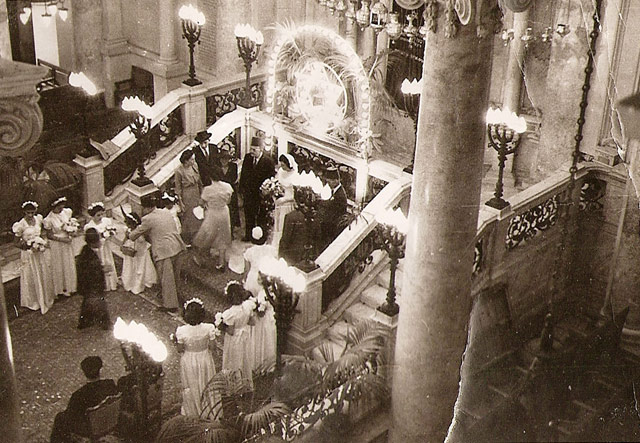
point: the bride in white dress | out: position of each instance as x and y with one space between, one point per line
286 175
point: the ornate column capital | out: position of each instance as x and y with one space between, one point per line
20 116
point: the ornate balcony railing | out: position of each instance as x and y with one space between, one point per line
223 102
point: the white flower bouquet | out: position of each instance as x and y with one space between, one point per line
71 227
271 188
257 305
37 244
109 231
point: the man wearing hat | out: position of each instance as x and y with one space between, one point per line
74 418
204 157
159 227
333 210
256 168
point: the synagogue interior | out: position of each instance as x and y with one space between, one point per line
319 220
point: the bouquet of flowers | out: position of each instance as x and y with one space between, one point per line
219 323
37 244
257 304
271 189
71 227
109 231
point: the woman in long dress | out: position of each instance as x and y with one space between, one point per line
195 339
60 227
106 229
36 286
286 175
237 353
229 171
263 333
215 231
138 271
188 189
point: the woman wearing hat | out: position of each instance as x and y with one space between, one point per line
36 287
60 226
188 189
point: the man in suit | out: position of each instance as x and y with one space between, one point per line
204 157
91 283
159 228
294 238
333 210
74 418
256 168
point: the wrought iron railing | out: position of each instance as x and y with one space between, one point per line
222 103
122 168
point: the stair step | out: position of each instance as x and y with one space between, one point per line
374 296
336 347
338 330
358 312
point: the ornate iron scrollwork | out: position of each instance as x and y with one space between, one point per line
357 261
374 186
591 194
220 104
525 226
478 253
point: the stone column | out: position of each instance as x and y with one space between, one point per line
92 169
167 18
9 408
5 41
565 78
513 83
87 23
114 49
443 214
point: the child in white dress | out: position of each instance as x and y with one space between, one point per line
61 227
106 229
138 271
237 354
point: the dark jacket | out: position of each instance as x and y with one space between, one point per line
205 165
90 395
252 176
331 214
294 237
89 271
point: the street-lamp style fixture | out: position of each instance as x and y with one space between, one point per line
393 26
81 81
413 87
411 90
411 31
308 191
503 130
282 285
192 22
25 15
362 16
391 232
139 127
378 16
249 43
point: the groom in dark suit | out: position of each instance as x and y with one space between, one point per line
204 157
256 168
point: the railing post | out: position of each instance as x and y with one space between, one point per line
137 193
92 170
302 337
362 180
194 111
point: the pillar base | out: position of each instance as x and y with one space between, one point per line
192 82
497 203
137 193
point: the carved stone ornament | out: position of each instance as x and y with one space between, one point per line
410 4
20 124
464 10
516 5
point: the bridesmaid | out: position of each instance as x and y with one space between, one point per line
60 226
106 229
36 287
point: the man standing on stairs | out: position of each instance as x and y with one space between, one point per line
167 248
203 155
332 211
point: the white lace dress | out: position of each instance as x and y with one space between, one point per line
196 367
283 205
138 272
237 353
105 252
63 265
36 285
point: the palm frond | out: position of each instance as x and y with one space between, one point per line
270 412
185 429
302 363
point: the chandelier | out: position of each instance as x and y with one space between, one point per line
50 10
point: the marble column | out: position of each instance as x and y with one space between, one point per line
167 25
9 407
513 84
565 78
443 214
5 41
87 23
92 171
115 51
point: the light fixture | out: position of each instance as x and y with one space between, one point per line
547 35
562 29
331 6
192 22
362 16
507 35
249 42
411 30
25 15
139 127
391 232
341 7
527 37
393 26
63 11
378 16
413 87
80 80
350 13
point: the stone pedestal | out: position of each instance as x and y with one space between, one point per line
92 169
194 111
305 332
137 193
443 214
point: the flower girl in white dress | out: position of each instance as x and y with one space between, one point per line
106 229
138 271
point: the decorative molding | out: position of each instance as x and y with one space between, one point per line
20 124
451 20
525 226
410 4
592 192
464 9
516 5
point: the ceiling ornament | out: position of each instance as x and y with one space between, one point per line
516 5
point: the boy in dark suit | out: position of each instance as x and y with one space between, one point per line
333 210
204 157
91 283
256 168
74 418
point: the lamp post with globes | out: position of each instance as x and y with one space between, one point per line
503 130
192 22
249 43
308 191
82 82
391 232
282 285
139 127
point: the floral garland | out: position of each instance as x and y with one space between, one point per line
193 300
37 244
229 284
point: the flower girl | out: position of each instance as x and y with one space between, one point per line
138 271
61 227
106 229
